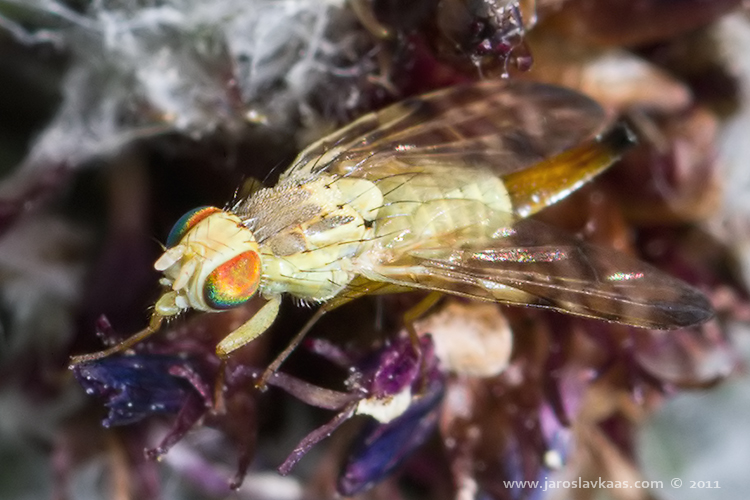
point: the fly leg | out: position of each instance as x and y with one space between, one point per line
412 315
261 383
417 311
153 327
249 331
354 291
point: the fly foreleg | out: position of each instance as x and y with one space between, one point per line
249 331
259 323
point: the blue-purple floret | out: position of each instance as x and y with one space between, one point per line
380 447
136 386
398 366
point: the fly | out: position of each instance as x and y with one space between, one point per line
432 193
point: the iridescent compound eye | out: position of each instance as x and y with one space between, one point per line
233 282
187 222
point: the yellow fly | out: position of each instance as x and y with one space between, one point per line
431 193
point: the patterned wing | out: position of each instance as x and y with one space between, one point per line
501 125
530 263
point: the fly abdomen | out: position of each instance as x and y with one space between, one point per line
446 204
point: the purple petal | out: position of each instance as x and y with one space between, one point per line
311 394
314 438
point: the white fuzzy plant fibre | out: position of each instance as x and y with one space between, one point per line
733 223
141 67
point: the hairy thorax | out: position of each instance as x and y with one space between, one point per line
316 235
309 232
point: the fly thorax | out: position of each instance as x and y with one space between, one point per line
312 259
212 263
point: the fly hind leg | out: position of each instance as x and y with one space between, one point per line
410 317
417 311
